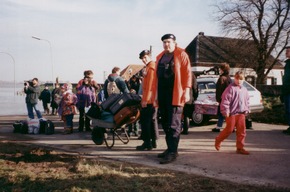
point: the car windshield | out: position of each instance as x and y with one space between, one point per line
206 87
248 86
210 87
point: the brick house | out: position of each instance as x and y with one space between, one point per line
206 52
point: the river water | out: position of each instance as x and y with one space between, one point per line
13 104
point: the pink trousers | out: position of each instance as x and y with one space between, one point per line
238 122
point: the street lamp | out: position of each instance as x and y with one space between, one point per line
37 38
13 65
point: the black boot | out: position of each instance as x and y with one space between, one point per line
163 154
144 147
170 157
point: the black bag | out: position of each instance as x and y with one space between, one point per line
46 127
110 101
20 127
126 99
17 127
94 111
50 128
42 126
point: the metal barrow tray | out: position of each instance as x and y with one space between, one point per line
105 132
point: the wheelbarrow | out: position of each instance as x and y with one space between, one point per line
108 132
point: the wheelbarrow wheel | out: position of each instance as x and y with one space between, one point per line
98 135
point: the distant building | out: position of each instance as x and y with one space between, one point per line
130 70
206 52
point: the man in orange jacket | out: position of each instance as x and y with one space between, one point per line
149 133
172 90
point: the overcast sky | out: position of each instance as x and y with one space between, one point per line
92 34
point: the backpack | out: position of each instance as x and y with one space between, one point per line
46 127
112 88
20 127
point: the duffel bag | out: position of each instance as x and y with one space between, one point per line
126 99
105 105
127 115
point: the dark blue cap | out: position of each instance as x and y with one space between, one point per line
143 53
168 36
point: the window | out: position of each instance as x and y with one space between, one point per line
248 86
206 87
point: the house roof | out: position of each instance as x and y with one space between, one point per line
130 70
209 51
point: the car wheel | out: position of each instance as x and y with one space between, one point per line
199 119
186 122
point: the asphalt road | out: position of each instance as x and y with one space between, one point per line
268 163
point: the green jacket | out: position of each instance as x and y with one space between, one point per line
32 94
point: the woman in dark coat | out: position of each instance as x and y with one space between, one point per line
45 97
222 83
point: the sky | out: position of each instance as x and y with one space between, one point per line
92 34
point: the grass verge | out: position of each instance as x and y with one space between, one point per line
32 168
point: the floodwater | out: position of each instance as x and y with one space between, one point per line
13 104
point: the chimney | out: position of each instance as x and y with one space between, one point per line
201 33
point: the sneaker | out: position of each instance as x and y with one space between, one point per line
215 130
217 145
170 157
242 151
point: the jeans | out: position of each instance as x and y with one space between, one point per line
69 121
220 119
30 108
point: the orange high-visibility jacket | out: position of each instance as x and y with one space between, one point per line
182 78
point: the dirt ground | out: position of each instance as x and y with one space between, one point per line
267 145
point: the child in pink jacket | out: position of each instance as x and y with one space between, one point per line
234 107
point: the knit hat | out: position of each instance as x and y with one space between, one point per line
67 86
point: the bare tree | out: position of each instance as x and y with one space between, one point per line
266 22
